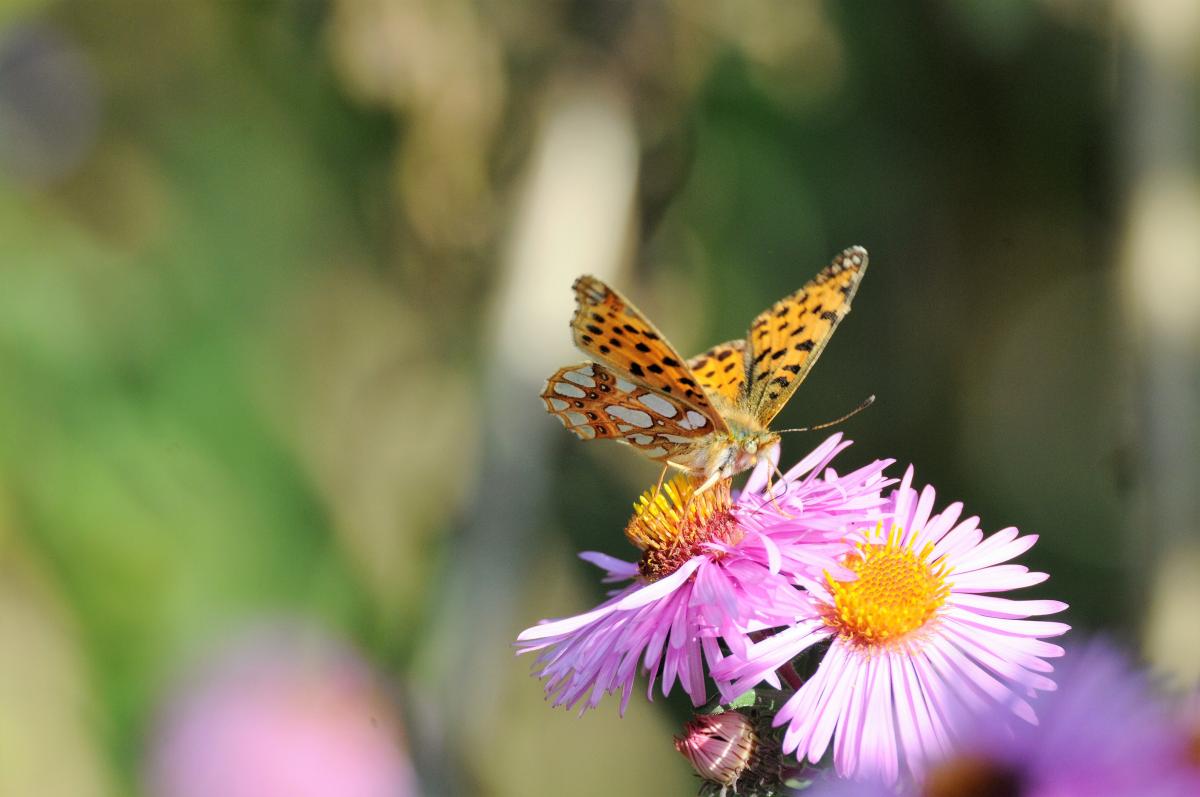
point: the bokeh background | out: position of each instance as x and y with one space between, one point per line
279 282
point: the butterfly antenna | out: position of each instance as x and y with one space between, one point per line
866 403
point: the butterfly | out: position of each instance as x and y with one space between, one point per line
710 415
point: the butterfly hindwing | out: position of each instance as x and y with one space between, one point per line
596 403
610 329
786 339
721 371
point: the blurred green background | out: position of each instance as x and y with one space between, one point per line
279 282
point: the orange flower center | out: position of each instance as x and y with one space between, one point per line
672 524
971 777
1192 750
897 592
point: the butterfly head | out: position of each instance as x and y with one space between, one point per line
740 451
753 447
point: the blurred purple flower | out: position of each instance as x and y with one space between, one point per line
1103 733
282 716
714 567
913 639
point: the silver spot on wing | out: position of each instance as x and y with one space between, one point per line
658 404
580 378
637 418
564 389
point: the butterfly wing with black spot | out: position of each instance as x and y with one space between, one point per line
610 329
596 403
786 339
721 371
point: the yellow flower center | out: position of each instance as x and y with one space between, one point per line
672 524
897 592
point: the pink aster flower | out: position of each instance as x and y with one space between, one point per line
914 637
713 568
1104 733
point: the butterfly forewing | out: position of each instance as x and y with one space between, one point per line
613 331
721 371
786 339
595 402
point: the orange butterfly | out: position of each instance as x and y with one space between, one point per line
710 415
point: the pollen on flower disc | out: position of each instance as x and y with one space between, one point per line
898 591
968 776
673 523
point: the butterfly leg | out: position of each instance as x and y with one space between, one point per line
771 490
712 479
658 487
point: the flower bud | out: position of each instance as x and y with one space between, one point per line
720 747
